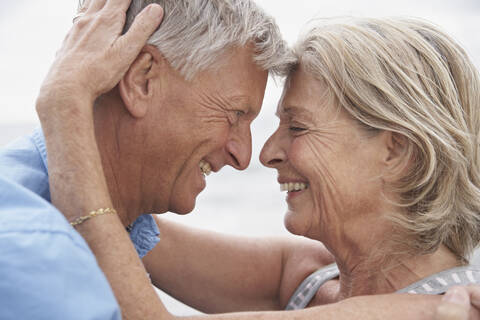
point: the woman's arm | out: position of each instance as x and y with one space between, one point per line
92 60
398 307
217 273
89 64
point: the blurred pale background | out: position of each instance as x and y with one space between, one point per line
247 203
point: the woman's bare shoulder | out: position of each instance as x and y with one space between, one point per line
302 258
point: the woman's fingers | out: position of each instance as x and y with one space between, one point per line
94 55
474 291
131 43
118 5
94 6
455 305
83 5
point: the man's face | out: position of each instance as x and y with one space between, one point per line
199 126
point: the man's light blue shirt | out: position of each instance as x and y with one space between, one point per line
47 270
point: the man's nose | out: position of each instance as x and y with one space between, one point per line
239 150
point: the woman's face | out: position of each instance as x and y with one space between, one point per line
331 167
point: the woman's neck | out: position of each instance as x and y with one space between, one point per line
370 261
390 274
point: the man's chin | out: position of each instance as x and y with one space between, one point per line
184 208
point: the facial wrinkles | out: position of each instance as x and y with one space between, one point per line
328 144
211 110
220 107
320 118
327 204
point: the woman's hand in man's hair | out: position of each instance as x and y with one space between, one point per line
95 55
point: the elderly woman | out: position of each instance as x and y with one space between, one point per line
377 147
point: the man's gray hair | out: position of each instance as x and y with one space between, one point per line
195 33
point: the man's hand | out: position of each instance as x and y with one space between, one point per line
94 55
460 303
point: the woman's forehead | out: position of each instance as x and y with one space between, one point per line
304 95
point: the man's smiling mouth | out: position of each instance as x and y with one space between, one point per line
205 167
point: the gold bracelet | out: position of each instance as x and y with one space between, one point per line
92 214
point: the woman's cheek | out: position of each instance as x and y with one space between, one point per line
322 176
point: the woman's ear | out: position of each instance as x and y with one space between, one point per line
396 157
136 87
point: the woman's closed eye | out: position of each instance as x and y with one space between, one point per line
295 129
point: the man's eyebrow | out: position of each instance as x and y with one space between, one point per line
235 100
229 101
237 97
243 102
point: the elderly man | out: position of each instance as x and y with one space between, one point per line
165 114
182 110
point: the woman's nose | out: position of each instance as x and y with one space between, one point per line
272 152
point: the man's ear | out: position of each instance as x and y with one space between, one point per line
396 157
136 86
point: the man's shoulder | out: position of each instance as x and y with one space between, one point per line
46 266
23 213
27 148
25 208
24 161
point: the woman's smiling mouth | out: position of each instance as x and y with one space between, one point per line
293 186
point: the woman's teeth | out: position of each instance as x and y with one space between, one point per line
205 167
293 186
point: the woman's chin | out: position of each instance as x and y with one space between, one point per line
295 224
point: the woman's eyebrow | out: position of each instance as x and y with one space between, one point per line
297 111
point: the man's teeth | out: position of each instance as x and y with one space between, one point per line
293 186
205 167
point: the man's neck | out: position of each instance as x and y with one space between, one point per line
119 166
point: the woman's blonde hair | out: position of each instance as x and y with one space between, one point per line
407 76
